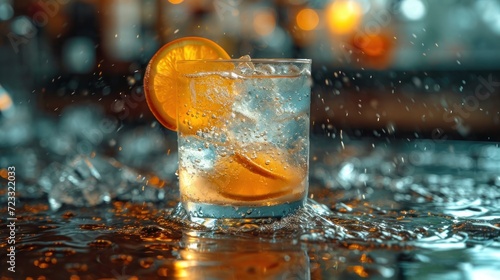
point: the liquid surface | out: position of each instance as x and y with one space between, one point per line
410 210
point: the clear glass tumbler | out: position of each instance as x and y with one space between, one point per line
243 135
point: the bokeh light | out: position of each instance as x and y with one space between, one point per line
175 1
413 9
343 16
6 11
5 100
373 50
22 26
370 44
489 11
264 22
277 44
307 19
79 55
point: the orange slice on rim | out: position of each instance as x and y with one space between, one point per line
163 83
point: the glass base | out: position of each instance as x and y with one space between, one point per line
204 210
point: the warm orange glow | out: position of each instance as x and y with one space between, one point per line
175 1
359 270
307 19
5 102
3 173
156 181
343 16
365 259
372 45
373 50
264 23
181 270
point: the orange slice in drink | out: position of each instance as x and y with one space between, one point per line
256 175
263 164
163 83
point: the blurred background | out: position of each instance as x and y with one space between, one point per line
393 81
381 68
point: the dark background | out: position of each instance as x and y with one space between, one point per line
382 68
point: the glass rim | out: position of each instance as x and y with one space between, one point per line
254 60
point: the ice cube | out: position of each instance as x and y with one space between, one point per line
244 128
288 70
51 176
245 67
270 108
264 69
76 185
259 99
245 58
250 121
86 181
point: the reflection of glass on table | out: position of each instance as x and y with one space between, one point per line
243 133
233 258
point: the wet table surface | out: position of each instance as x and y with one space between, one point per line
391 209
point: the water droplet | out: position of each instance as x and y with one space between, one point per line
146 262
391 128
68 215
131 80
100 244
121 259
151 232
76 267
92 226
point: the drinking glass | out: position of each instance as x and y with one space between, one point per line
243 137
